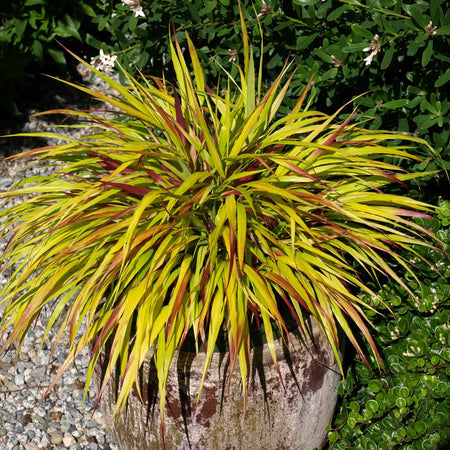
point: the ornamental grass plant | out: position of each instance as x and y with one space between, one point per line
196 211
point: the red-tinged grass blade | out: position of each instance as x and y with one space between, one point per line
241 235
129 110
302 97
128 189
109 81
179 294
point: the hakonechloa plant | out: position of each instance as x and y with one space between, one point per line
200 211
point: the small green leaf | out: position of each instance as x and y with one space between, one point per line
35 2
444 78
354 406
274 61
412 48
352 422
143 59
372 406
427 124
322 54
446 354
443 30
132 24
355 47
375 385
58 56
87 9
418 15
387 58
434 360
334 436
329 74
390 423
361 31
91 40
440 418
437 15
304 41
20 25
103 22
420 426
208 8
67 31
336 13
38 50
393 104
403 391
426 55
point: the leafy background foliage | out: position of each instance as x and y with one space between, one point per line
28 29
406 80
408 406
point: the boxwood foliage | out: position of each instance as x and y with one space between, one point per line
407 407
406 79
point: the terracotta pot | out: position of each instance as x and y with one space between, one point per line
276 418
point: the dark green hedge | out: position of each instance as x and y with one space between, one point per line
407 80
28 33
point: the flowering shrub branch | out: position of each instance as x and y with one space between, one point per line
135 7
374 48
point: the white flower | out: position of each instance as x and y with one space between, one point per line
137 11
375 45
368 59
336 62
233 55
135 7
374 48
107 59
104 62
431 31
266 9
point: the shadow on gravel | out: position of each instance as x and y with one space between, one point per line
43 94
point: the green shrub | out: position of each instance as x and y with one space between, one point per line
28 29
406 79
407 407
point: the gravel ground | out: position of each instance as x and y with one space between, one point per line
60 420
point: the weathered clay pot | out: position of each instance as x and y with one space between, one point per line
276 418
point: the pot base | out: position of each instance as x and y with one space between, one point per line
293 417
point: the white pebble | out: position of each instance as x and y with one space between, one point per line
56 438
69 440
